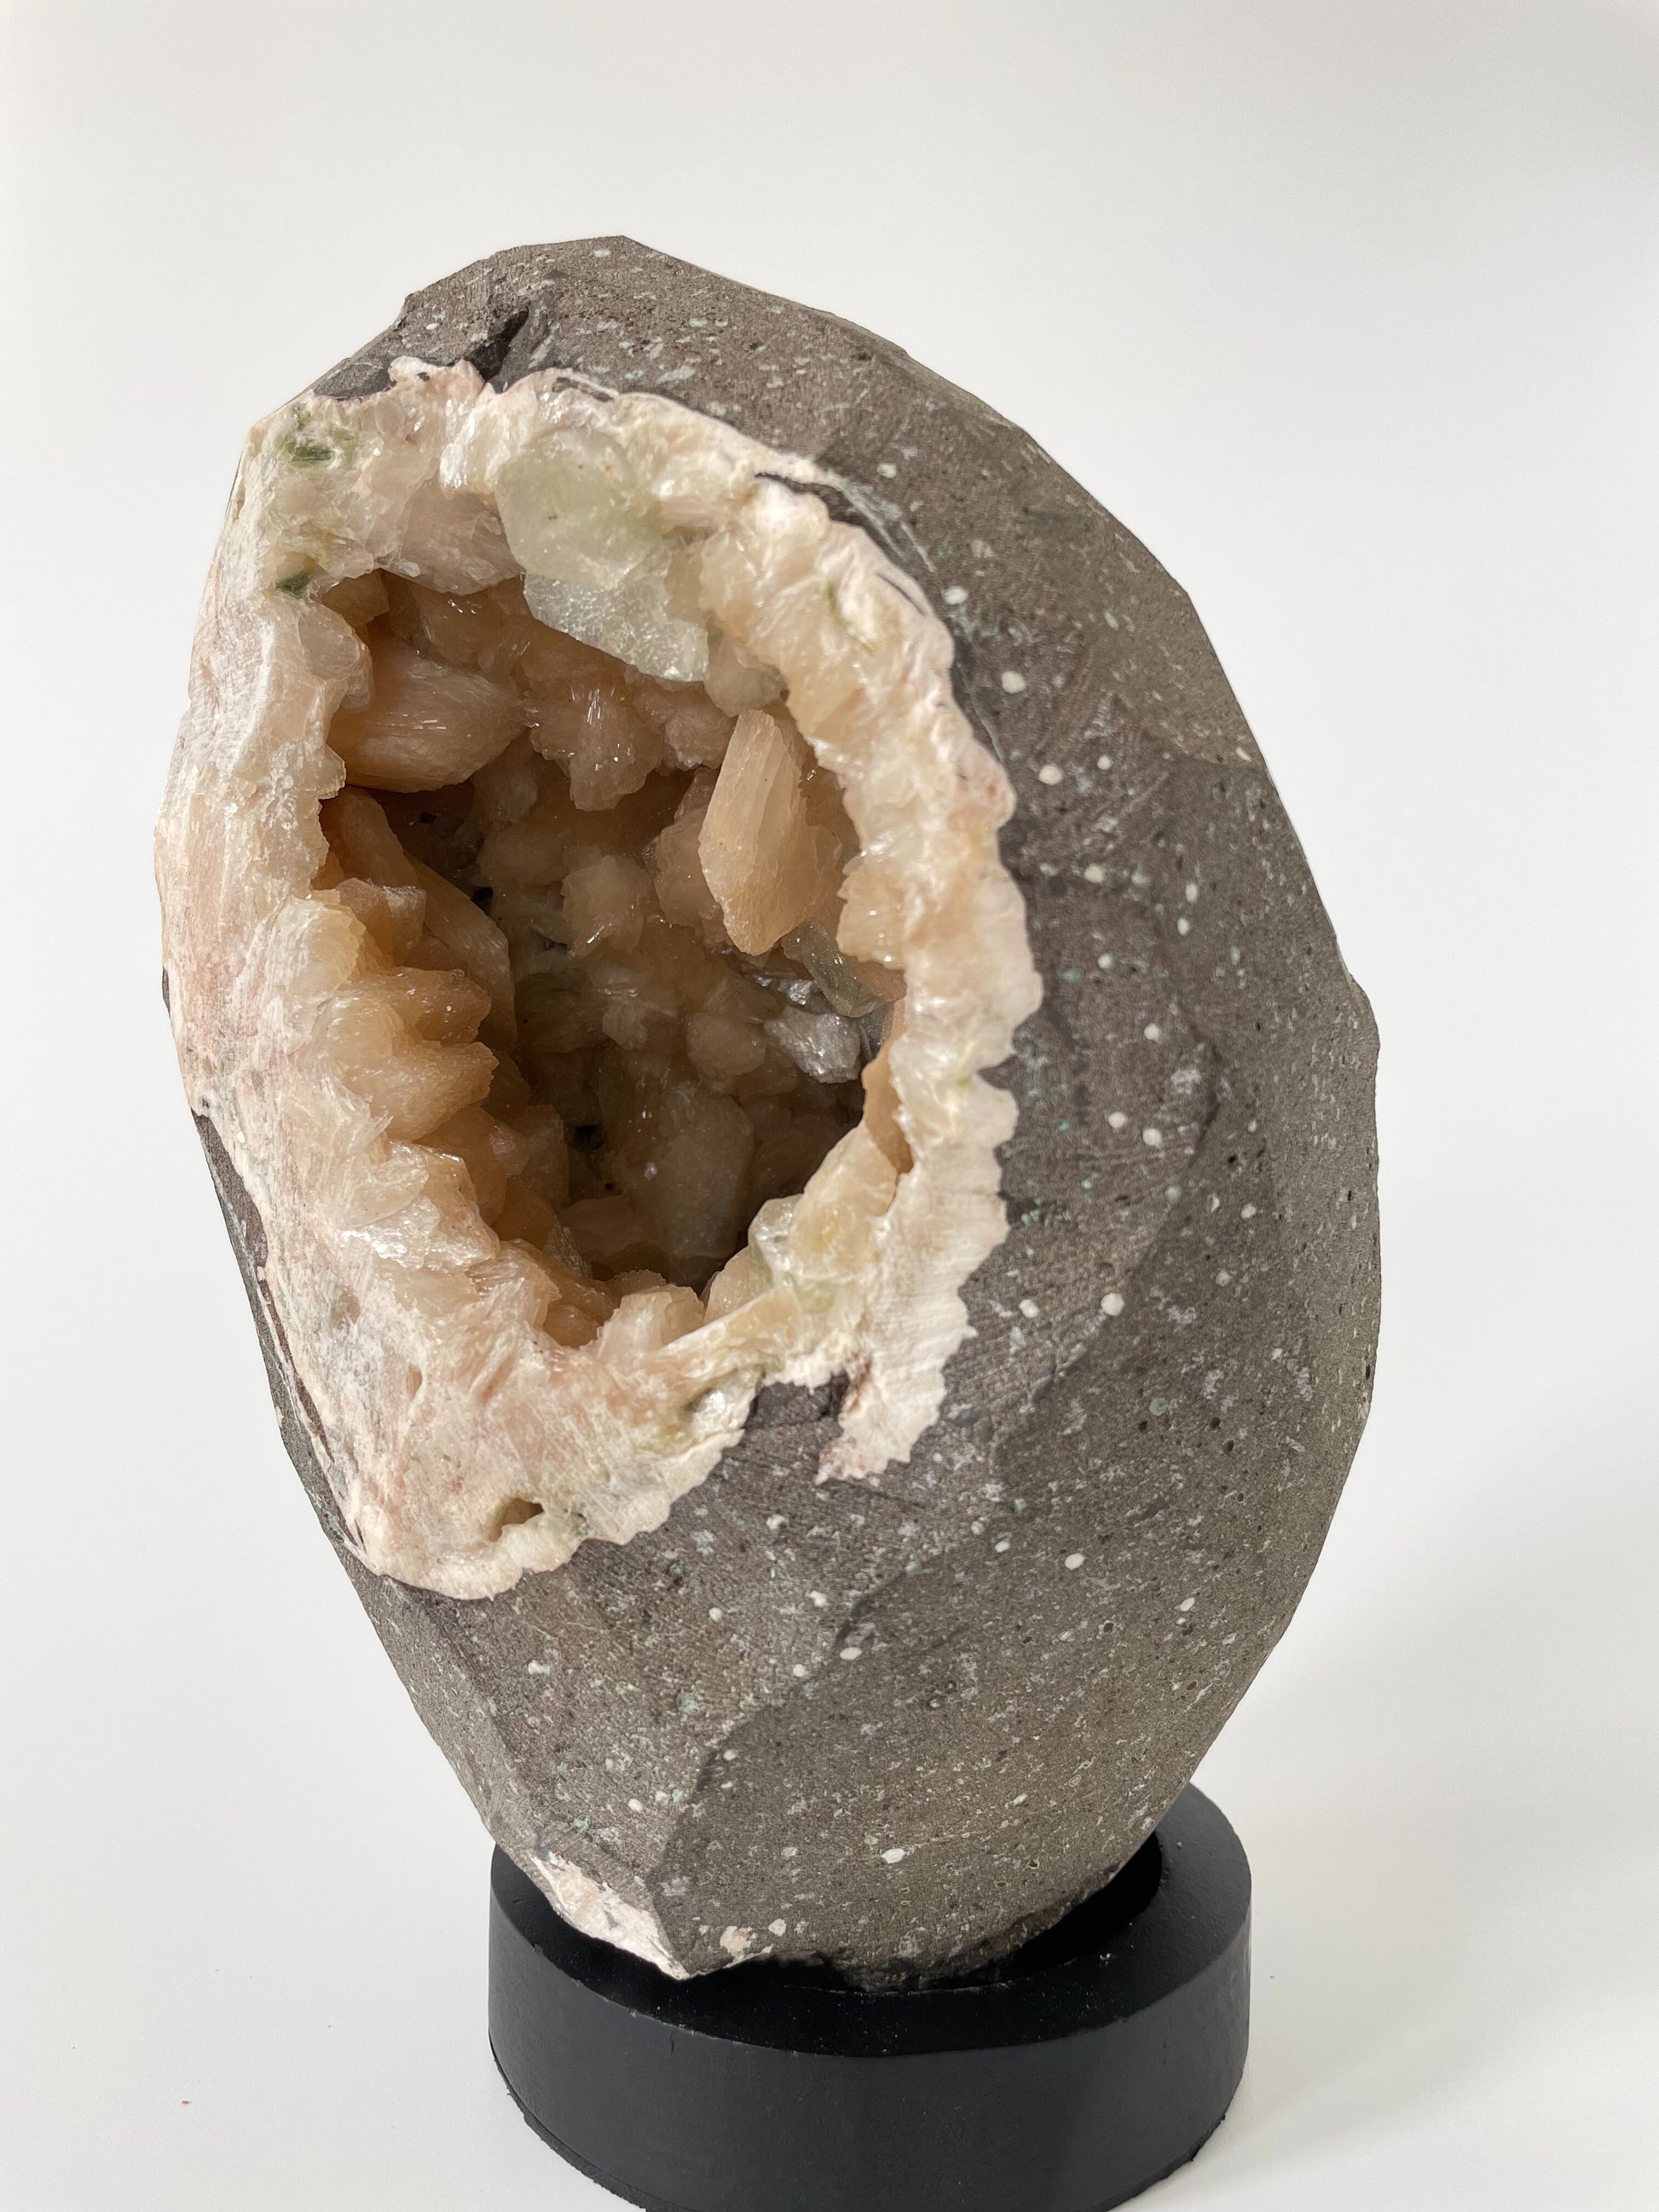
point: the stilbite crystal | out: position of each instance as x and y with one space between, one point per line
423 724
769 866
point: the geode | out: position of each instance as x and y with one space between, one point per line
798 1138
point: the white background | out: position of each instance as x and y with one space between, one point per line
1348 307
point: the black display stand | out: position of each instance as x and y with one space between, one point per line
1067 2079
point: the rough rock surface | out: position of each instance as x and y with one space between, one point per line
900 1727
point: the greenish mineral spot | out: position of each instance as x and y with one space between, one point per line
301 451
295 586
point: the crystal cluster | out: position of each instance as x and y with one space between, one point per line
586 934
643 880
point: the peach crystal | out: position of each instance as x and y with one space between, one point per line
585 932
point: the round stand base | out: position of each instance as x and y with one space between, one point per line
1067 2078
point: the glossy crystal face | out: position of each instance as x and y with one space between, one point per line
608 906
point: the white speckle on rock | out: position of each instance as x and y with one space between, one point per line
777 1928
1002 1543
1013 680
774 1521
1048 773
1103 762
538 1666
1223 1277
1247 1213
892 1857
851 1652
1030 1308
1182 927
1104 960
728 1755
1094 873
1152 1137
1187 1605
799 1673
1112 1304
714 1613
1152 1033
1118 1122
817 1597
956 595
885 469
1192 894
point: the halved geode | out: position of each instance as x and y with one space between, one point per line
652 749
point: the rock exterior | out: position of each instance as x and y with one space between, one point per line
898 1727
